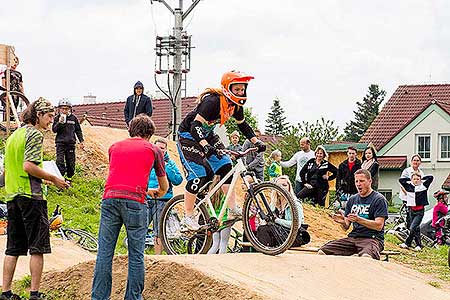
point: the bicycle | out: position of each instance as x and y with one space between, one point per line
20 103
83 238
339 202
257 199
401 231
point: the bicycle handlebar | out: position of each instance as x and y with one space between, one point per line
238 154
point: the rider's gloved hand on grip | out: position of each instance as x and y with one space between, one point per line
260 145
210 150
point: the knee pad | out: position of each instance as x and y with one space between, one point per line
223 170
195 184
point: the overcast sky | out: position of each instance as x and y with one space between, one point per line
317 57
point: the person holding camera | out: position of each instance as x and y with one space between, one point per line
68 130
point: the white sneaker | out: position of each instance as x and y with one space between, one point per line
189 223
418 248
235 213
403 246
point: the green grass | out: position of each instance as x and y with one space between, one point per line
80 204
431 261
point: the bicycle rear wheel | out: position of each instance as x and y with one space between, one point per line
260 214
20 101
174 241
83 238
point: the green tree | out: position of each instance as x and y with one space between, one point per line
319 132
249 118
366 112
276 121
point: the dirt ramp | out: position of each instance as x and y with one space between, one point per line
163 280
64 254
315 277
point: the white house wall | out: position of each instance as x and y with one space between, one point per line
433 124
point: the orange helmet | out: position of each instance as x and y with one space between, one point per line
234 77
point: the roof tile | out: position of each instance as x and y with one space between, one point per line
407 102
110 114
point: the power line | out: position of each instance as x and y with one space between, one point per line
173 58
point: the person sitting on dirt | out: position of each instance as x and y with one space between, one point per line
274 169
315 177
28 225
284 218
155 206
366 211
124 203
439 210
138 103
200 147
67 129
345 179
417 198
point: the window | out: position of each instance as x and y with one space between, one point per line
423 146
444 150
387 194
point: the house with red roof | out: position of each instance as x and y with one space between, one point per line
416 119
110 114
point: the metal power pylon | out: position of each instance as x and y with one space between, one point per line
173 54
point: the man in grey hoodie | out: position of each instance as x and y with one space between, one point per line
137 103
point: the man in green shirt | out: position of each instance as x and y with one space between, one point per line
28 226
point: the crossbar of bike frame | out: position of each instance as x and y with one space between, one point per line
235 171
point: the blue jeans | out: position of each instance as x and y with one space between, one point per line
298 187
155 208
416 217
133 215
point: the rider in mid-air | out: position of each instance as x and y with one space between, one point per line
198 144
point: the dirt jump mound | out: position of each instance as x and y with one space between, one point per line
163 280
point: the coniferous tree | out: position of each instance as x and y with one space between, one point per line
276 121
366 112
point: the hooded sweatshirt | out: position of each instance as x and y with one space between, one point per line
136 105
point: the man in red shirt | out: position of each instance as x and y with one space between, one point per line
345 180
130 163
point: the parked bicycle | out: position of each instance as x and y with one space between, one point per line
400 229
258 199
81 237
340 201
20 102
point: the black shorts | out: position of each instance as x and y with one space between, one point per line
28 227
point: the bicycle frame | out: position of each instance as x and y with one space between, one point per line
236 172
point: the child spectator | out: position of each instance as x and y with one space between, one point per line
220 237
67 129
275 167
439 210
416 195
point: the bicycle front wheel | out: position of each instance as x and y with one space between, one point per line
174 241
270 218
83 238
